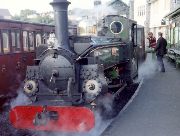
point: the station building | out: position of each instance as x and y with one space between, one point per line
150 14
173 37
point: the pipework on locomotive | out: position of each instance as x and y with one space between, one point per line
69 79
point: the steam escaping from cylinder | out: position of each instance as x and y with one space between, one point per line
149 67
100 126
21 99
61 22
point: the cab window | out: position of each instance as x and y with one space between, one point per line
106 56
139 36
5 41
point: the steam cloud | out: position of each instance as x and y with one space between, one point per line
100 126
103 10
21 99
91 16
149 67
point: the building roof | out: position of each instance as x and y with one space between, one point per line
175 13
120 1
4 12
151 1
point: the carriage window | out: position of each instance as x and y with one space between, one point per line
25 41
5 41
31 41
18 46
38 39
107 55
15 41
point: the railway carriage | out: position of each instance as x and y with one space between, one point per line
18 42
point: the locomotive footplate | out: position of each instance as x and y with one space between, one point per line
52 118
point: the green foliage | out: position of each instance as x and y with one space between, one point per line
16 17
27 12
33 16
45 19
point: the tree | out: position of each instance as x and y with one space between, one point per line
33 16
24 15
16 17
27 12
45 19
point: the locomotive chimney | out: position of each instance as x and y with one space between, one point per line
61 22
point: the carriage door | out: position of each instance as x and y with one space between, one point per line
5 62
134 53
19 67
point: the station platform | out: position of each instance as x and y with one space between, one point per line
155 111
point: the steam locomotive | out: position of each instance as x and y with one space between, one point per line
74 75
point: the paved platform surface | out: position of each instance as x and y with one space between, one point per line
155 111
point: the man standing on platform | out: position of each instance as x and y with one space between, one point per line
161 50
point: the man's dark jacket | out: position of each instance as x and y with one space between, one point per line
161 46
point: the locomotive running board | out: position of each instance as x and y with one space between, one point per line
52 118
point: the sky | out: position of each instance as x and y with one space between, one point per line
15 6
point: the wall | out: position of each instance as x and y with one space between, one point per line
158 10
155 10
140 11
120 7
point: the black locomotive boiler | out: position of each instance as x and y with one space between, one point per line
73 76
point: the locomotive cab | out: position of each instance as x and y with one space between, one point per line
112 55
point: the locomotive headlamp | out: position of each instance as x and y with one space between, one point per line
30 87
91 89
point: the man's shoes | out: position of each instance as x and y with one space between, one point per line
163 71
